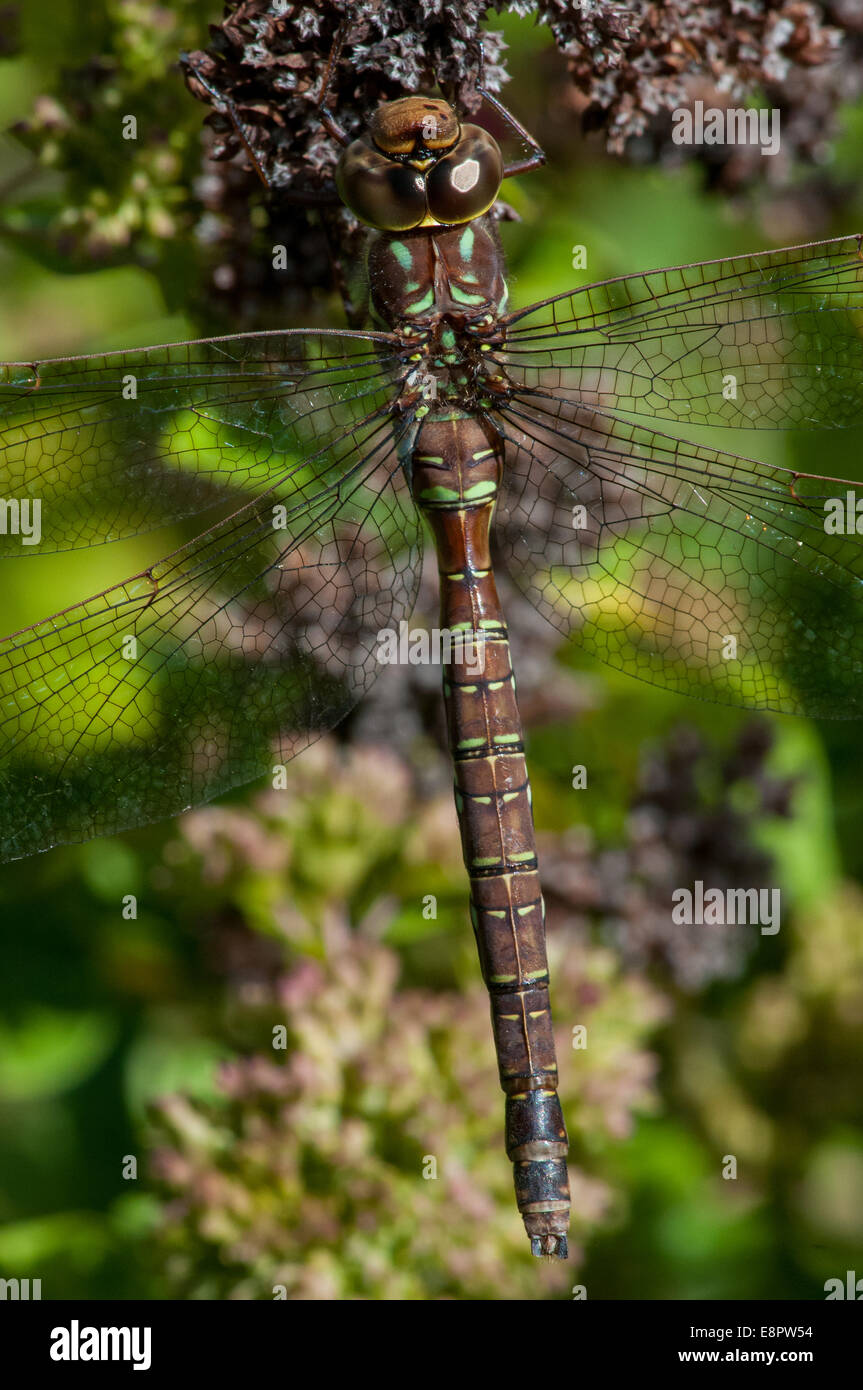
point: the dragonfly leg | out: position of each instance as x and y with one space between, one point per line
230 110
326 197
537 156
327 119
355 312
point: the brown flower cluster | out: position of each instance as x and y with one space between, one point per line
630 65
633 63
686 823
360 1156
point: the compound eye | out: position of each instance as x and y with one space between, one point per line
378 190
464 184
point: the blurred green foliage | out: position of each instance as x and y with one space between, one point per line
149 1037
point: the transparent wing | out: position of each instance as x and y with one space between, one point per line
121 443
705 573
770 340
219 662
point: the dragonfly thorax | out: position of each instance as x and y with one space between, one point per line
445 284
417 166
446 372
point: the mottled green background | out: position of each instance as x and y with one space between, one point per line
150 1037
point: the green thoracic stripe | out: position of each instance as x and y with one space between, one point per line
402 254
464 296
421 304
465 246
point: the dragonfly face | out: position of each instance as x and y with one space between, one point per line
418 167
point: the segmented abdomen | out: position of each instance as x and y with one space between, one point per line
455 471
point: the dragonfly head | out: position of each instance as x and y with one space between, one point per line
417 166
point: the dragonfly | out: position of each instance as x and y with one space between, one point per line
308 464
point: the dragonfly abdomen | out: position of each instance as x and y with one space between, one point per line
455 471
